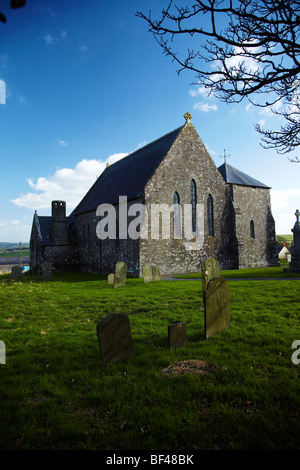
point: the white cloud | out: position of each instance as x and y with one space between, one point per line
205 107
83 48
50 40
47 10
267 111
63 143
284 205
14 230
68 184
200 91
4 59
242 57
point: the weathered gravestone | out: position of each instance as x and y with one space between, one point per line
216 306
120 274
209 269
16 272
156 273
147 273
46 271
110 278
177 335
114 337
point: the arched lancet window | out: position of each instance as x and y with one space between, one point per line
252 232
193 194
176 216
210 216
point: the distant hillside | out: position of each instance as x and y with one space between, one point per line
286 239
9 246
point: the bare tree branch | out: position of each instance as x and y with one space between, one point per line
13 4
245 49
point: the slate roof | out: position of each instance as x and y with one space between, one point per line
234 176
128 176
44 222
45 227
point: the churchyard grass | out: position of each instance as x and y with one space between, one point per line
56 394
269 272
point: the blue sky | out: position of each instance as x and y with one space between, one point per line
85 83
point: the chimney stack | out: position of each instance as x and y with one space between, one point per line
59 234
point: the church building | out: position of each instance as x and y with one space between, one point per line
230 215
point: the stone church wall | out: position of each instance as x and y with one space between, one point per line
36 249
101 256
252 204
88 243
63 258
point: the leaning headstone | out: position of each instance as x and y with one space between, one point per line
120 274
46 271
16 272
110 278
114 337
156 273
177 335
147 273
216 306
209 269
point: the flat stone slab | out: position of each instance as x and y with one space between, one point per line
177 335
114 337
216 307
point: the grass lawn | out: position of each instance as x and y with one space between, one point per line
263 273
56 394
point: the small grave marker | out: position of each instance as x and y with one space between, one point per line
46 271
110 278
114 337
120 274
216 306
16 272
147 273
156 273
177 335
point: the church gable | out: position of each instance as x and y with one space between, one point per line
187 175
186 159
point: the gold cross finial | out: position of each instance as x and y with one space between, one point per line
187 117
